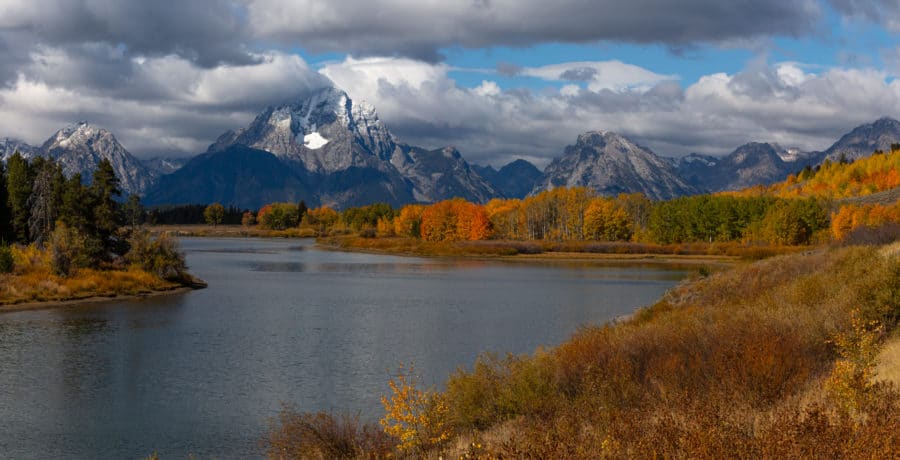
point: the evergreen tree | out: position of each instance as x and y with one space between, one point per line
44 201
77 205
104 189
301 210
6 231
18 186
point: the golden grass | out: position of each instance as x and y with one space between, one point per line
888 369
232 231
487 248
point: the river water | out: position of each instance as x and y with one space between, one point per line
281 323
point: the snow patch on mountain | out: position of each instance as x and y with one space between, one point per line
314 141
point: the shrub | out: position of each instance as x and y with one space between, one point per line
160 256
417 417
71 249
323 435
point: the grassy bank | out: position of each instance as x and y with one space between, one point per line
486 248
34 279
230 231
773 359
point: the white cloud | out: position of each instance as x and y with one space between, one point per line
779 102
154 105
488 88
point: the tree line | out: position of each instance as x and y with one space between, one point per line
571 214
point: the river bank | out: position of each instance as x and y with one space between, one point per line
76 302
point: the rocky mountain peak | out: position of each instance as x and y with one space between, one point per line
865 139
611 164
79 147
9 146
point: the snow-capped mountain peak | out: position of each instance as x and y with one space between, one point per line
79 147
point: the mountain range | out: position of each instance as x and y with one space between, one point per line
327 149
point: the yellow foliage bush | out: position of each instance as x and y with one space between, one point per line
418 418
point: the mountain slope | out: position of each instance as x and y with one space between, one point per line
80 147
441 174
865 139
612 164
513 180
9 146
237 176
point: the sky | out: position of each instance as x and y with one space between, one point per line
498 79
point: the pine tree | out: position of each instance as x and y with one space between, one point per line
18 186
77 205
6 230
104 189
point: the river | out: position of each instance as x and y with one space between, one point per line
282 322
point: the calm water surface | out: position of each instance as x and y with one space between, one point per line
281 322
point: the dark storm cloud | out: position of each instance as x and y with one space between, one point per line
885 12
419 29
206 32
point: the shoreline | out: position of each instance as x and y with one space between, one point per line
70 303
555 256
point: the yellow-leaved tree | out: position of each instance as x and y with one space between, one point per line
418 418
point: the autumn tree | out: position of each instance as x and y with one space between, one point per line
214 213
507 219
605 219
408 222
278 216
417 417
454 220
248 219
323 219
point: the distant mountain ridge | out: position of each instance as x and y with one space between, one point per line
327 149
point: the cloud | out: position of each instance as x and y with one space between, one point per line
781 102
156 106
884 12
421 29
614 75
205 32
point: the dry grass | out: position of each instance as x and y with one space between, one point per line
888 369
415 246
232 231
732 365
